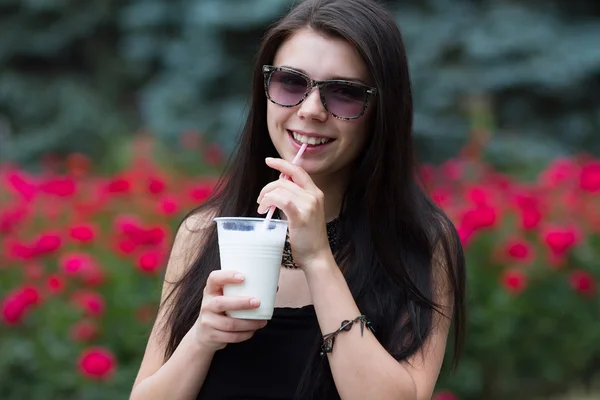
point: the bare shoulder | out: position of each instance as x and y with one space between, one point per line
190 237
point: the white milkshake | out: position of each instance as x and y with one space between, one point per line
247 247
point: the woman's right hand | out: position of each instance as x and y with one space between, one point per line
214 329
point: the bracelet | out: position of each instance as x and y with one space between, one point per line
329 339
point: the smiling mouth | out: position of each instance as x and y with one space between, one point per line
310 140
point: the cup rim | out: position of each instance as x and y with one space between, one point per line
250 219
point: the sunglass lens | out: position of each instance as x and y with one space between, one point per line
287 88
344 100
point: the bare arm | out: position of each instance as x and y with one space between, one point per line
183 375
361 367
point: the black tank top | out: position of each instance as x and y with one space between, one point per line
269 365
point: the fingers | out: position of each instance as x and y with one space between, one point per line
282 199
297 174
220 304
218 278
288 185
229 337
227 324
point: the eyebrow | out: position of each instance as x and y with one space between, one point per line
337 77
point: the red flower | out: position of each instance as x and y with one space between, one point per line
83 331
168 206
74 263
62 187
583 283
16 304
90 302
150 262
518 249
21 184
19 250
47 243
119 185
83 233
452 169
589 178
97 363
14 309
128 225
29 294
560 170
529 209
560 240
11 218
201 192
156 186
480 196
441 197
55 284
480 217
427 173
514 281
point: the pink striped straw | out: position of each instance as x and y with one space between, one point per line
283 176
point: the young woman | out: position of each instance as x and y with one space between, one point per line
367 248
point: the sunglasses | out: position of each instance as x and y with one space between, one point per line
344 100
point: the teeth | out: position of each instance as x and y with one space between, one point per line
309 139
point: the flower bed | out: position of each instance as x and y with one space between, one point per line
82 254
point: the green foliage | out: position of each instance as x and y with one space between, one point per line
75 75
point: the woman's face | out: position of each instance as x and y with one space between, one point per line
320 58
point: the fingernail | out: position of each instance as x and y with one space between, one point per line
238 277
254 302
269 159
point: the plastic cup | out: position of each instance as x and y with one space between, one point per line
248 247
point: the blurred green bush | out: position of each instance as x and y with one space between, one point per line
78 75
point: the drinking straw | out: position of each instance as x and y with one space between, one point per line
283 176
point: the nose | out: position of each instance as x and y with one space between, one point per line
312 107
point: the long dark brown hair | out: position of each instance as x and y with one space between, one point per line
393 238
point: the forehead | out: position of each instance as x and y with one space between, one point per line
321 56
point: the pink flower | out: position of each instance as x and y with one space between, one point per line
589 178
61 186
55 284
13 309
514 281
150 262
83 233
90 302
582 282
560 240
119 185
168 206
97 363
518 249
47 243
156 186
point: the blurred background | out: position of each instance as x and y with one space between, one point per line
116 118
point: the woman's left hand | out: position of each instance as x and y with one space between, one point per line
303 204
